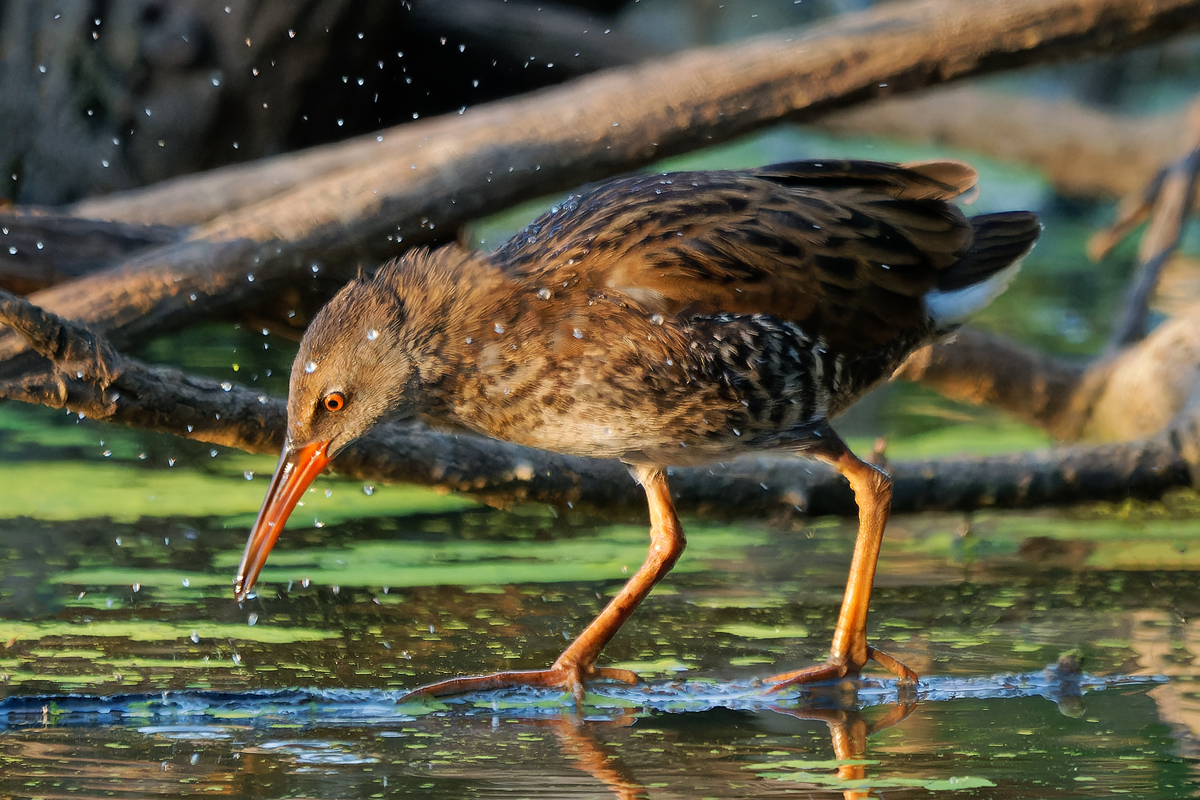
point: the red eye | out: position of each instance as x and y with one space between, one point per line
334 401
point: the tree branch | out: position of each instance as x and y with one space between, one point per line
985 369
1083 152
1168 202
46 248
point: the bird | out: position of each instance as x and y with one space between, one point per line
666 320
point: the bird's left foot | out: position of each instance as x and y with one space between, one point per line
841 667
566 677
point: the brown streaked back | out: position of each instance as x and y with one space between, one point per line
847 249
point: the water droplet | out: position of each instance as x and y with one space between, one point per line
250 277
543 294
498 328
212 453
368 490
578 334
248 474
304 582
252 619
227 386
137 587
40 246
468 340
12 251
657 319
372 335
106 453
118 541
310 367
195 636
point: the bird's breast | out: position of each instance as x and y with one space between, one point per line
619 383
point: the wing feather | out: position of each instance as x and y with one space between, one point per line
846 249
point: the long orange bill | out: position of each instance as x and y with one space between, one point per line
295 471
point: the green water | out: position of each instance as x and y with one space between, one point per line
127 670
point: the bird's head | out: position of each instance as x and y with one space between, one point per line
355 368
362 361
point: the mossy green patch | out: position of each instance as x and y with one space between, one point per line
147 631
750 631
656 667
607 555
123 492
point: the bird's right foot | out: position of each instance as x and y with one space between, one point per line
842 667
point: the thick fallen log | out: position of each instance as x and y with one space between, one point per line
81 371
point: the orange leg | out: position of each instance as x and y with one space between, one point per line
577 664
850 651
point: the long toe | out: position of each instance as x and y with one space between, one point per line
565 678
836 668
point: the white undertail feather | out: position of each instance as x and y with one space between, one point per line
948 310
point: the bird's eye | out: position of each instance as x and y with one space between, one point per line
334 401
